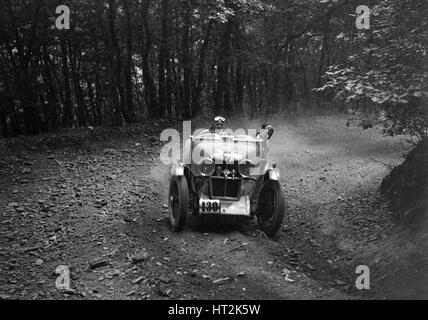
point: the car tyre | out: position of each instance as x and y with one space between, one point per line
271 208
178 201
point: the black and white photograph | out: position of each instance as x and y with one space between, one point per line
213 150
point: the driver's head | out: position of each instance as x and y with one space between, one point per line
267 130
218 122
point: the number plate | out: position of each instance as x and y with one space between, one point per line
209 206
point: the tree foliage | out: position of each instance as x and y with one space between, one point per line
124 61
387 68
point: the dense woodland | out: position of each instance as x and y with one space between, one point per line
124 61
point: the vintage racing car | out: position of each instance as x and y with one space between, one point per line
222 174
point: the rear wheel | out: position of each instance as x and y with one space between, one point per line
178 202
271 208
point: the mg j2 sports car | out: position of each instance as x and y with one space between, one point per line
227 175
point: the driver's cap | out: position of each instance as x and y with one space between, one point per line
219 119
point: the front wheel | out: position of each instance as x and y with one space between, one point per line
271 208
178 202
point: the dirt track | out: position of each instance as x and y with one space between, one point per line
105 203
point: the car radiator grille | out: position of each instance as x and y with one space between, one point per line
225 188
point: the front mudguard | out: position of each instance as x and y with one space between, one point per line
177 170
271 174
274 174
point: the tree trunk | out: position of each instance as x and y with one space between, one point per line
51 92
3 115
129 65
222 100
325 51
239 82
197 92
67 114
31 117
164 65
120 110
303 72
186 63
98 97
81 107
149 84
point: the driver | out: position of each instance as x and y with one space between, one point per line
217 125
266 132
